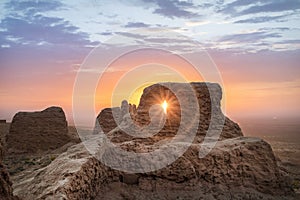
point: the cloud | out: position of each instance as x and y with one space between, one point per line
25 25
206 5
156 38
196 23
274 6
136 25
32 7
106 33
231 8
5 46
262 66
173 8
53 31
246 7
170 40
275 29
248 37
40 43
261 19
131 35
256 41
289 42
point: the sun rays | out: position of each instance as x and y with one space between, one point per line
164 105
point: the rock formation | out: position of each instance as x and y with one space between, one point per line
237 168
6 190
109 118
108 121
207 97
33 132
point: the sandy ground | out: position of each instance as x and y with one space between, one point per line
284 137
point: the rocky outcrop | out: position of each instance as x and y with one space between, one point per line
33 132
75 174
208 97
186 103
109 118
6 190
239 168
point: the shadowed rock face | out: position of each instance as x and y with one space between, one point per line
208 97
6 190
108 122
31 132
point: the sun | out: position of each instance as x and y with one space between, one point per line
164 105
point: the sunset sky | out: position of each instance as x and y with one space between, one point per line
254 44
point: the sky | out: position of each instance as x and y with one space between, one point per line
255 46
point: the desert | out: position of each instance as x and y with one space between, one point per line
59 165
149 100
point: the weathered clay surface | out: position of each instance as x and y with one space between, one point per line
75 174
239 168
6 190
33 132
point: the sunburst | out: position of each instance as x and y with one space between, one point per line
168 102
164 105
